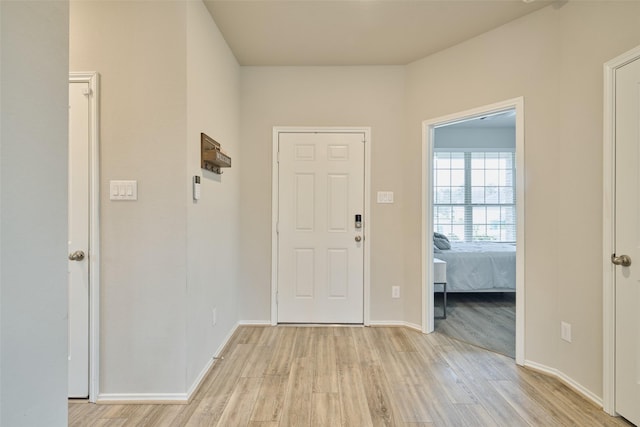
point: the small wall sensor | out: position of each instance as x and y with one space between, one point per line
196 187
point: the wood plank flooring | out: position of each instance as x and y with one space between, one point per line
485 319
354 377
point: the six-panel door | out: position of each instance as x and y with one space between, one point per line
320 247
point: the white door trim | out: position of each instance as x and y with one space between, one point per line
428 127
274 210
608 227
93 79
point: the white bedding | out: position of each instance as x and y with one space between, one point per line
475 267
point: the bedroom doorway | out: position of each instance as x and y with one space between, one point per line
473 227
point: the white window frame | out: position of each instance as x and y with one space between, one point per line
468 204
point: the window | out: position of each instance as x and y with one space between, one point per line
474 196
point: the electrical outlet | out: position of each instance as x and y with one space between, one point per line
214 316
395 292
565 331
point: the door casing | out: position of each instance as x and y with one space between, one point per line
428 127
275 206
93 79
608 227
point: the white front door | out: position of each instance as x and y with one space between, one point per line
320 243
627 241
78 262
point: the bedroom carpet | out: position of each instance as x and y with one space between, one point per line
487 320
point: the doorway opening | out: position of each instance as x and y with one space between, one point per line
473 227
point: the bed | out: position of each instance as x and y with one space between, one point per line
480 267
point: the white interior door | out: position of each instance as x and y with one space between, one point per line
320 247
627 241
78 239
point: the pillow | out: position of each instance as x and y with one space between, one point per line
436 249
440 236
441 241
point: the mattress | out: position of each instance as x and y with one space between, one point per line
480 267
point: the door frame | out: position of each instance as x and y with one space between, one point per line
608 227
277 130
93 79
428 128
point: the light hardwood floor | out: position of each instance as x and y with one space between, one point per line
355 376
485 319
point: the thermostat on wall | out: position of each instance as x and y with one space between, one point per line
196 187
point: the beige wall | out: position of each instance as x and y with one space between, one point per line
34 67
593 34
554 59
321 96
139 51
155 100
520 59
213 78
166 75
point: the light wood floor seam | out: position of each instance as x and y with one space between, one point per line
356 377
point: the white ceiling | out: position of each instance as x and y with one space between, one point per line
355 32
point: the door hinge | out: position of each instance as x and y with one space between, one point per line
277 299
278 157
87 92
277 227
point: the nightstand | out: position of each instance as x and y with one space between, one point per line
440 278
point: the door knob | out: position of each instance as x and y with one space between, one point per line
76 256
358 238
623 260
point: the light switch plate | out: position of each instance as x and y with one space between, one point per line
123 190
565 331
385 197
395 292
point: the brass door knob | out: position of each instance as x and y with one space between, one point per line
76 256
623 260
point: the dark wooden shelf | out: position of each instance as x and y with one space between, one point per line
211 158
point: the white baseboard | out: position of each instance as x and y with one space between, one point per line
395 323
255 322
142 398
166 398
225 341
371 323
569 382
196 384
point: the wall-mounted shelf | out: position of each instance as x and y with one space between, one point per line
211 157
